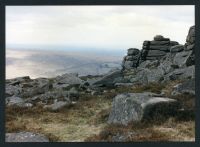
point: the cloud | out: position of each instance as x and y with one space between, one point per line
112 27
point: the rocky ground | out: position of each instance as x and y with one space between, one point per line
151 99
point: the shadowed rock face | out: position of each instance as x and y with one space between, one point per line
134 107
25 137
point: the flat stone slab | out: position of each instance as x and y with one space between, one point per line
108 79
57 105
155 53
68 79
25 137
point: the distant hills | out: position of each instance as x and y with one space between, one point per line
49 63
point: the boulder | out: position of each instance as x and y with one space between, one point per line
38 86
176 48
172 43
17 102
13 90
183 59
108 79
187 87
145 76
14 101
133 51
166 63
181 74
189 47
57 105
25 137
135 107
49 96
68 79
160 38
59 86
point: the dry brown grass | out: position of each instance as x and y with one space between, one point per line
171 130
86 120
151 87
69 124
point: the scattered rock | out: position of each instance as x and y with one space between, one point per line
13 90
14 101
49 97
183 59
181 74
108 79
187 87
68 79
25 137
57 105
176 48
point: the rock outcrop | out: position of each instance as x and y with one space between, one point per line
162 60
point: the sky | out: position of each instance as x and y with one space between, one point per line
95 27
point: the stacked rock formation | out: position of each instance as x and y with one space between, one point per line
156 49
131 60
163 60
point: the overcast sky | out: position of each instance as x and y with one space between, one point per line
109 27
